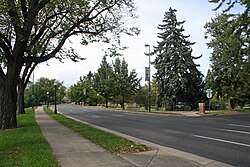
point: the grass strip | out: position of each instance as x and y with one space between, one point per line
108 141
226 112
25 146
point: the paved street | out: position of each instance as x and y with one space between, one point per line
225 139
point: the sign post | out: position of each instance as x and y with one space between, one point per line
209 95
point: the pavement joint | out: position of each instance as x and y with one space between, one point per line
152 158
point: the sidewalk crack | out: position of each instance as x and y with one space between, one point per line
152 158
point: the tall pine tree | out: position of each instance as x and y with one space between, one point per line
126 83
177 75
103 80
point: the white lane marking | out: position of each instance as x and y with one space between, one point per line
131 114
117 115
236 131
245 126
220 140
96 116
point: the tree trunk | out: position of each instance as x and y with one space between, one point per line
106 102
21 98
123 101
8 106
229 104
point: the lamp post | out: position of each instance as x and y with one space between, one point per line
47 99
149 86
84 93
55 98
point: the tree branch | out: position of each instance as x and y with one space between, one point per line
24 8
5 47
37 60
15 19
26 81
44 27
1 72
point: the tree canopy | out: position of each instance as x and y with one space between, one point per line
33 31
230 74
43 91
125 83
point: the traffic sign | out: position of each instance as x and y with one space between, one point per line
209 93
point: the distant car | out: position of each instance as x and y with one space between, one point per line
247 106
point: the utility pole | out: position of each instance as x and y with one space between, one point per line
149 86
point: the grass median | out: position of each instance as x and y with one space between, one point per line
25 146
108 141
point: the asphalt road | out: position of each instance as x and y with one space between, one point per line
224 138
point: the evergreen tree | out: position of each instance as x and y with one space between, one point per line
177 75
229 59
103 81
126 83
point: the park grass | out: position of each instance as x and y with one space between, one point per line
226 112
108 141
25 146
243 110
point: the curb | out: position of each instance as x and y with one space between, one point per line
160 149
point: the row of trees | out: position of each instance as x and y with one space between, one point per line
43 92
111 82
230 68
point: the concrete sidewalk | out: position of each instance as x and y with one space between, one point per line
72 150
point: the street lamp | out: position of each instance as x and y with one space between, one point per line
149 88
55 98
84 98
47 99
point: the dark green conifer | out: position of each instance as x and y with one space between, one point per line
177 74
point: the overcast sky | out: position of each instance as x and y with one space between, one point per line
195 12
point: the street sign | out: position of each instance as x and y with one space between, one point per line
209 93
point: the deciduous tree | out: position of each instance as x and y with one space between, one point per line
35 31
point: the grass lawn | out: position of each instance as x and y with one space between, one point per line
108 141
225 112
25 146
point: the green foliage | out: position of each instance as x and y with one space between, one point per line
48 24
40 89
32 32
25 146
125 84
83 91
230 57
103 80
111 83
177 75
141 96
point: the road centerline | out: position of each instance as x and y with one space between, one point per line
236 131
221 140
244 126
96 116
117 115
